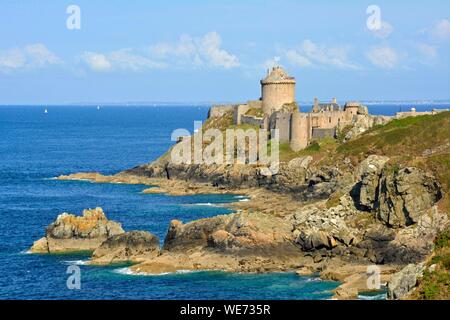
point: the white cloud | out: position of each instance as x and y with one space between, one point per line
384 57
123 59
31 56
428 51
311 54
126 59
384 31
196 51
188 51
297 59
210 47
97 61
39 55
440 30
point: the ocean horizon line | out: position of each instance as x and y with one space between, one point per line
209 104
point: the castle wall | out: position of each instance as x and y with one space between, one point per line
218 111
319 133
255 104
275 95
239 111
300 131
330 119
251 120
351 111
282 122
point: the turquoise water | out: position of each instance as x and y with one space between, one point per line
35 147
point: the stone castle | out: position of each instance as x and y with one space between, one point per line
277 109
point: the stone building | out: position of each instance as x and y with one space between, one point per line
277 89
277 109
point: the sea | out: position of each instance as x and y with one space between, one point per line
37 146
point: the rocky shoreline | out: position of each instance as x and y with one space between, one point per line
270 232
345 218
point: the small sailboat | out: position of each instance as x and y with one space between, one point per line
98 107
45 111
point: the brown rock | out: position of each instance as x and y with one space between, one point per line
346 293
77 233
304 271
129 246
405 195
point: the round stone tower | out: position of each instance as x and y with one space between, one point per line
277 89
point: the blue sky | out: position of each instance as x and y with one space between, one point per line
219 50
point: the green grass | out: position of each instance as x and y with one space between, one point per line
405 141
409 136
436 285
318 148
442 240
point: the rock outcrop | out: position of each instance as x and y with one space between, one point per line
405 195
369 173
406 245
364 122
315 228
296 176
77 233
243 232
346 293
131 246
403 282
242 242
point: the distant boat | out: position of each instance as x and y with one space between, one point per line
45 111
98 107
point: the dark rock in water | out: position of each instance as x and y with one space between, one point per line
128 246
77 233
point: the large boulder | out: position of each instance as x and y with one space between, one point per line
77 233
242 232
292 176
404 281
129 246
403 196
316 240
369 172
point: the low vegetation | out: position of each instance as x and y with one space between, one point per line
435 284
318 149
406 137
255 112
